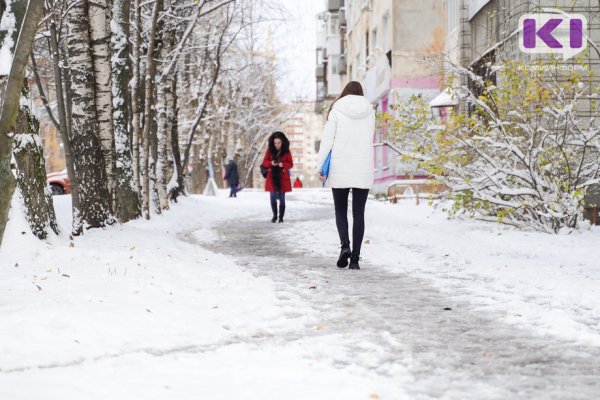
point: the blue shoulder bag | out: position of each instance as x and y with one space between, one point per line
325 167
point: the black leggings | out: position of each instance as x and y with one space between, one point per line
359 200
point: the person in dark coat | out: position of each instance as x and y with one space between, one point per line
278 161
232 177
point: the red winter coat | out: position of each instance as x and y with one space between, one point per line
288 163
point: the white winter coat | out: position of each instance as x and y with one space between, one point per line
349 132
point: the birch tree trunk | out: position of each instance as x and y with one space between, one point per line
94 196
164 107
99 11
126 191
136 87
162 164
149 89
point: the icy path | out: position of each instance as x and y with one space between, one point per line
396 326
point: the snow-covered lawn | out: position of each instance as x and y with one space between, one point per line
133 312
143 311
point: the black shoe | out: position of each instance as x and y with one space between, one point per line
281 213
274 209
354 262
345 254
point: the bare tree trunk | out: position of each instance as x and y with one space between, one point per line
206 98
177 186
126 191
136 87
64 126
94 196
216 160
31 172
199 176
146 136
152 176
99 12
10 93
199 117
66 71
7 180
164 107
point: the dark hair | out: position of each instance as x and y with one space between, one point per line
353 87
285 144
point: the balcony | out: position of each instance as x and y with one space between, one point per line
320 72
342 65
334 5
343 20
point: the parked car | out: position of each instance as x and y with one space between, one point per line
59 182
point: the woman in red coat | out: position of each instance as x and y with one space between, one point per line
278 161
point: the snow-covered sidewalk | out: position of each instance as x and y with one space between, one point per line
212 301
547 283
132 312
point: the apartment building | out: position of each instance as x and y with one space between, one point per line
483 33
394 48
330 52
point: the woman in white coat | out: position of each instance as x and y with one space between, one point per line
348 133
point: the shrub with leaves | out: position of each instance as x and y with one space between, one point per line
522 153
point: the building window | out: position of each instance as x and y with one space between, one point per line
384 32
334 62
334 25
374 40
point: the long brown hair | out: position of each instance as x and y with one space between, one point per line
352 88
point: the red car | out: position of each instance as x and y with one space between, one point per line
59 182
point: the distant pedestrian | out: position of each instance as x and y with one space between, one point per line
278 161
348 134
297 183
232 177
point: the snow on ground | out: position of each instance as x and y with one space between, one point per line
134 312
142 311
548 283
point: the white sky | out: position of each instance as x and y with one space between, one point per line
294 42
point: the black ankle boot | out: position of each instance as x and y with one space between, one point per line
354 259
281 213
345 254
274 209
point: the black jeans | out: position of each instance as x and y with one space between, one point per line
233 190
359 200
278 196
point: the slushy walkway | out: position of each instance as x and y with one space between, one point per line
391 322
